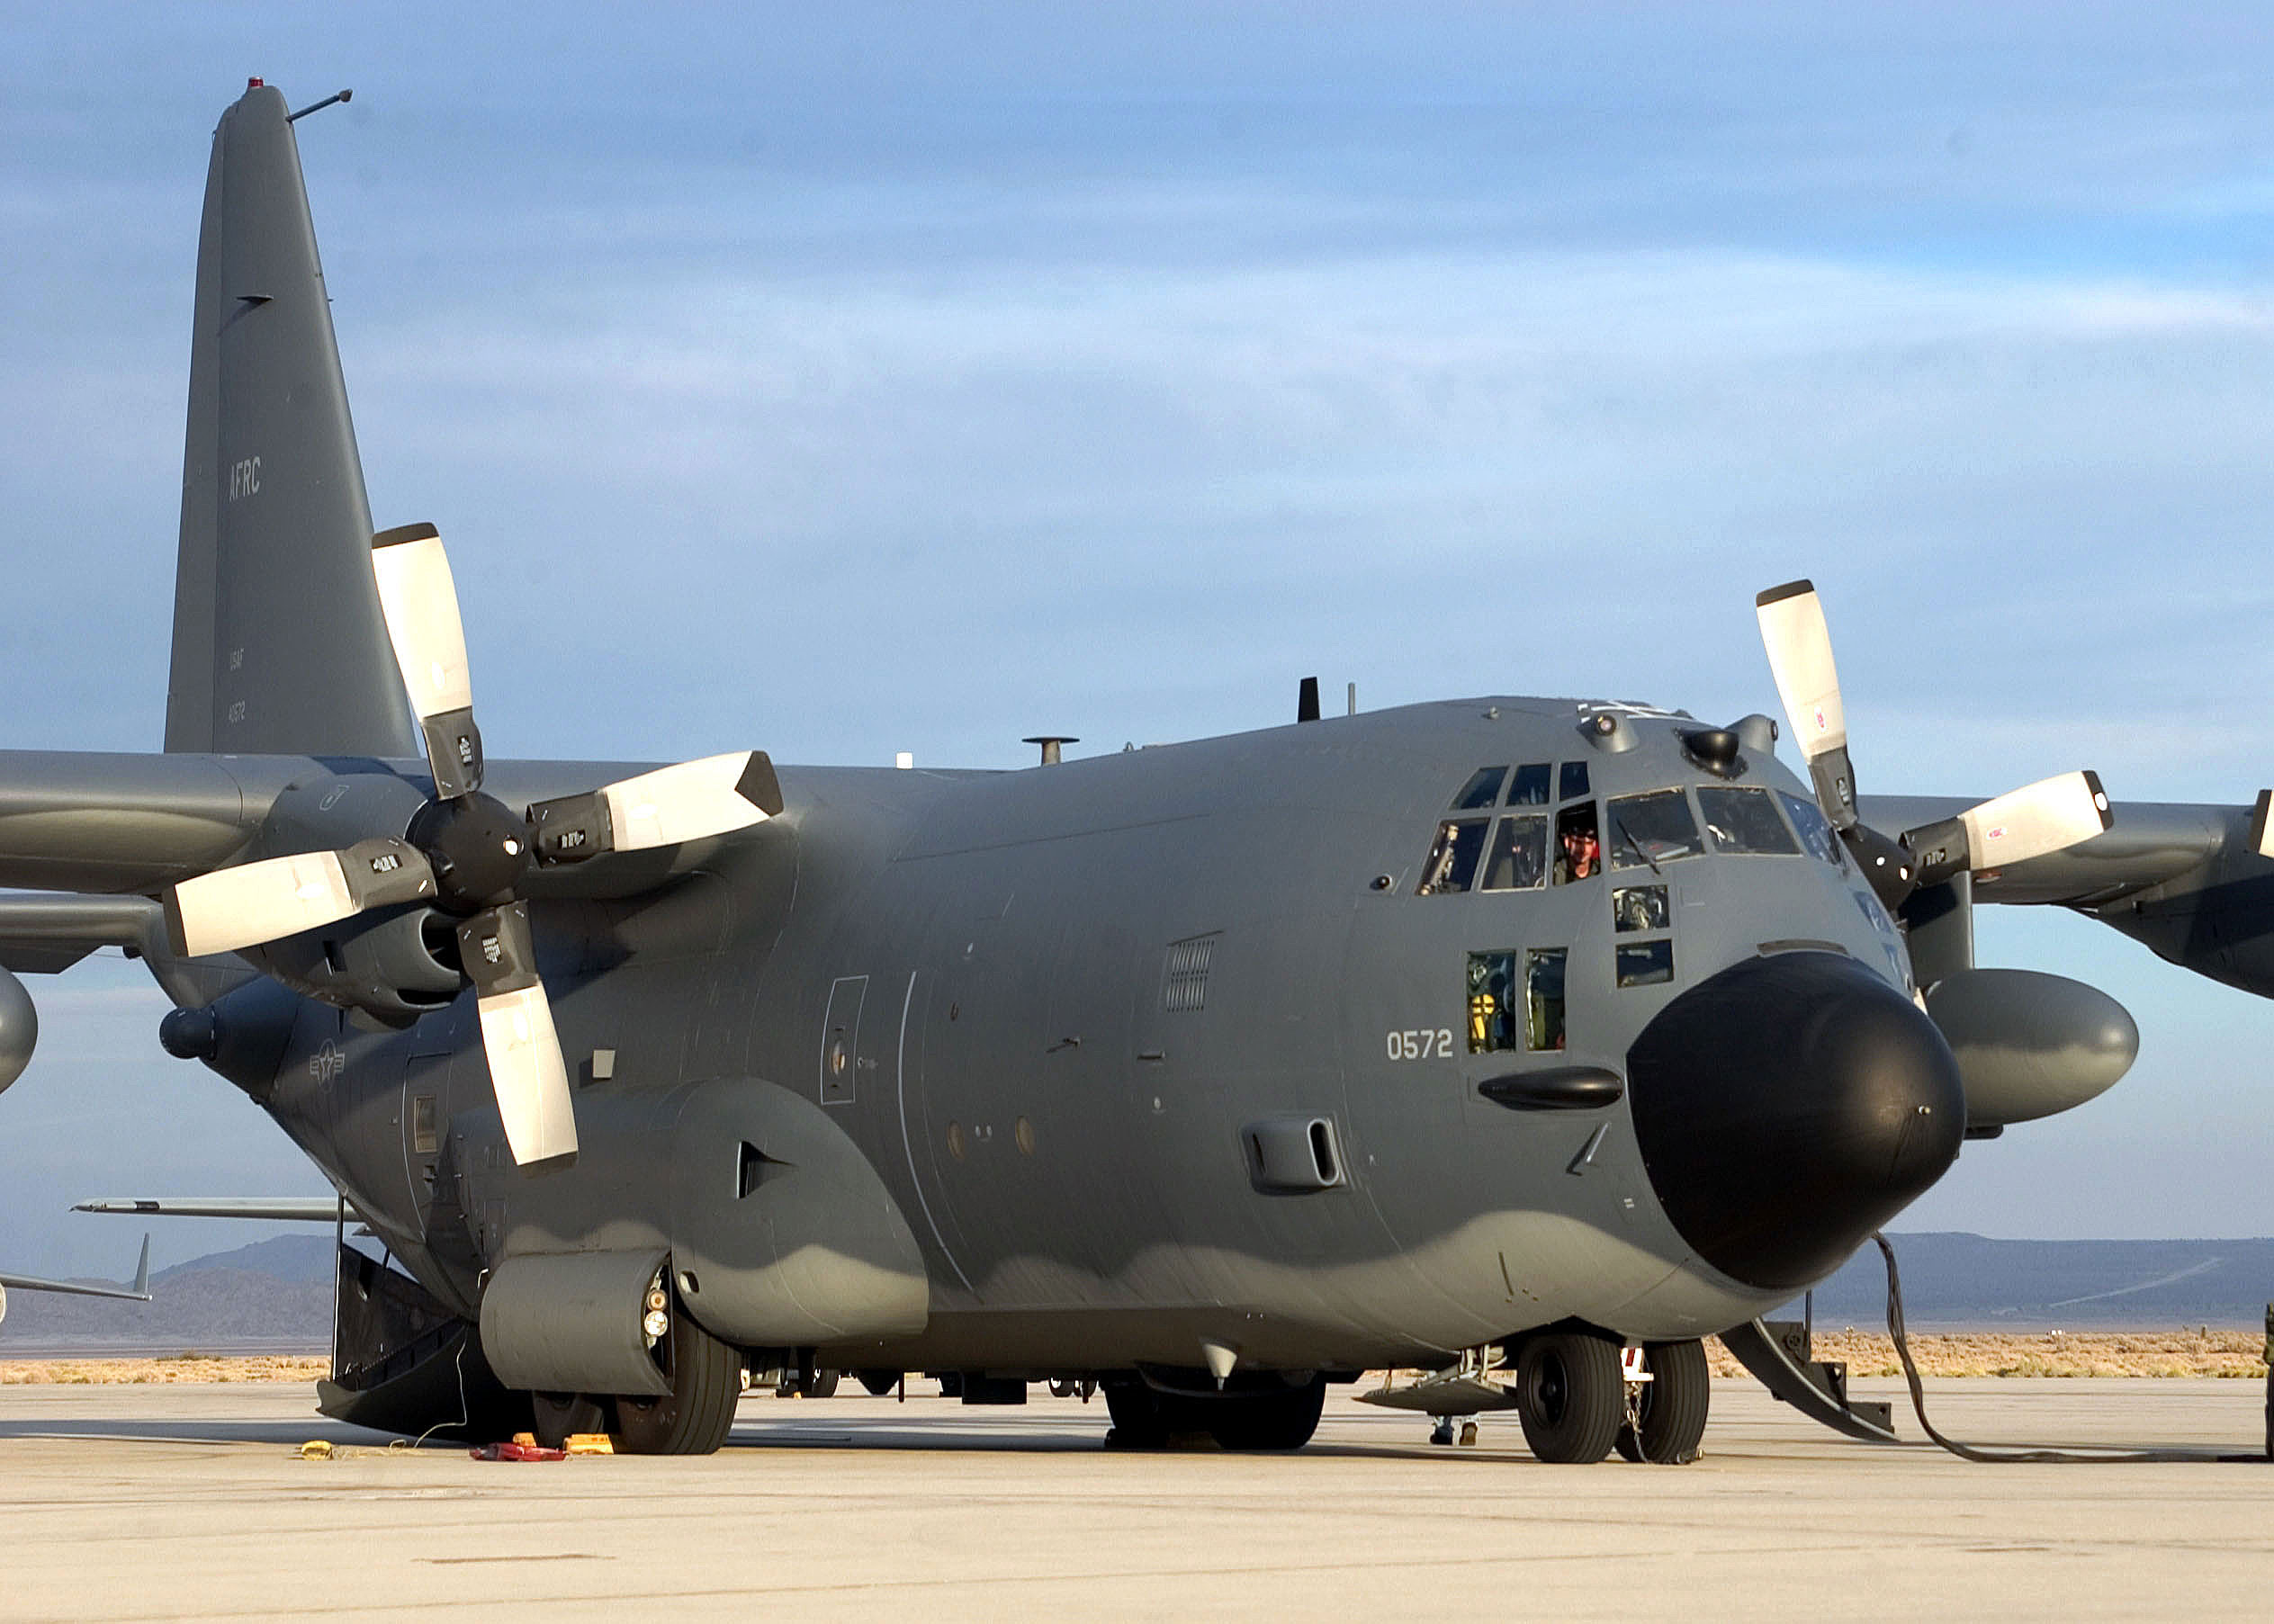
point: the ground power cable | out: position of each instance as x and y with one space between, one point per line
2000 1455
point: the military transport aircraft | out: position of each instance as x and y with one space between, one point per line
1524 1040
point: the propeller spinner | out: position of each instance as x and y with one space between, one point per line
468 852
2048 816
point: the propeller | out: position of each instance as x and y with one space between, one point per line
2048 816
468 852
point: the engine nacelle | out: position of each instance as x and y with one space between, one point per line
18 1030
392 967
2030 1044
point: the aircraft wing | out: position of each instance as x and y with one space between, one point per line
139 1292
274 1209
108 824
42 933
2150 844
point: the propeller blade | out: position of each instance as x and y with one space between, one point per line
713 796
1800 657
2048 816
420 602
255 902
527 1071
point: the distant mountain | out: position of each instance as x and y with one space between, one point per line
1970 1282
274 1294
277 1294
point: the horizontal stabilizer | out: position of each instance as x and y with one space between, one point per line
139 1292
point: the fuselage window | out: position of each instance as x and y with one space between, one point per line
1574 781
1519 860
1651 828
1638 907
1492 1002
1814 830
1743 820
1544 998
1531 785
1579 845
1482 789
1645 963
1452 857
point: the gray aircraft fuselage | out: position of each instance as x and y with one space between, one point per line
1048 1007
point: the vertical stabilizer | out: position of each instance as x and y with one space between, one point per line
279 647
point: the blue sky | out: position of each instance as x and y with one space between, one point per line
919 378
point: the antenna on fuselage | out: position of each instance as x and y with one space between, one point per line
1306 700
1050 743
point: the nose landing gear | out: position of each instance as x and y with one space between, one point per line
1666 1414
1570 1397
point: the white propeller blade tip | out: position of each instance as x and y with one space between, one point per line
528 1075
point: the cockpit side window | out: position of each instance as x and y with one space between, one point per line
1814 830
1544 998
1651 828
1531 784
1482 789
1578 845
1574 781
1452 857
1519 860
1743 820
1492 1002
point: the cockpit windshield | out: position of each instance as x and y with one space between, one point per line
1651 828
1813 827
1743 820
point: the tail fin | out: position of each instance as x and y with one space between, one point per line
279 646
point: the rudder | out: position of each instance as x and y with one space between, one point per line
279 644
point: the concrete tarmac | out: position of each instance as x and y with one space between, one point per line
132 1503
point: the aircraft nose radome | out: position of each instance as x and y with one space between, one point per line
1787 1107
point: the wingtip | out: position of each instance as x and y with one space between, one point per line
1777 594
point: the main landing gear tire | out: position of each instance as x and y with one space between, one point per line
823 1386
560 1416
1268 1421
695 1417
1672 1406
1145 1420
1570 1397
1274 1418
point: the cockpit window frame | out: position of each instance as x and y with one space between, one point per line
1733 848
1446 858
1532 783
1624 848
1481 792
1501 856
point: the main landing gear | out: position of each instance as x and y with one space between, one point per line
693 1418
1269 1414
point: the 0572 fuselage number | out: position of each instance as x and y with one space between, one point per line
1423 1043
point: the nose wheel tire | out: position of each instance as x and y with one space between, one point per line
1570 1397
1670 1411
695 1415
